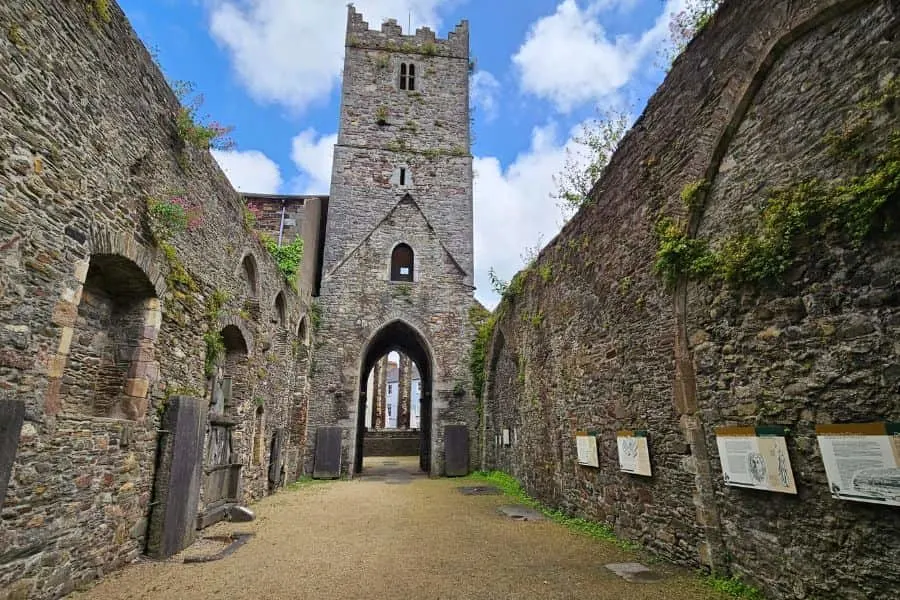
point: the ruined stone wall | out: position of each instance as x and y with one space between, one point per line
765 98
87 136
372 208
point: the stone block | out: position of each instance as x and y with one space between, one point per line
64 314
52 397
65 340
137 387
56 365
81 270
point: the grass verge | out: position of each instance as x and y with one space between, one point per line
512 488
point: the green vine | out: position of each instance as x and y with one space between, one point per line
793 218
484 323
288 257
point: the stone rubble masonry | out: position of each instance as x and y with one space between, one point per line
426 132
87 135
748 107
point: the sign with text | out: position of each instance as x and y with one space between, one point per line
586 445
634 454
755 457
862 461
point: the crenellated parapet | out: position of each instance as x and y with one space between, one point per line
391 38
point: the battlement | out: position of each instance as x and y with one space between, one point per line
391 38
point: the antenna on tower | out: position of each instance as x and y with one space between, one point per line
409 24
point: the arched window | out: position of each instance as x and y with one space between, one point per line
303 331
407 76
402 263
249 268
257 451
280 310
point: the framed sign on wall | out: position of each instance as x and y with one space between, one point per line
586 445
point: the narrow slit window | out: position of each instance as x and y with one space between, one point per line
402 76
411 83
402 176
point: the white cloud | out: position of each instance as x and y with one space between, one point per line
569 59
514 209
249 171
291 51
484 88
313 155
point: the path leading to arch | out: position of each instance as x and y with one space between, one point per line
392 536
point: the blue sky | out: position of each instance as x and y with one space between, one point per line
271 68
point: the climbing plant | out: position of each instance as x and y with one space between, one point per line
288 257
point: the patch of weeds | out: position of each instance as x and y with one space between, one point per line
679 255
545 272
382 61
733 587
214 304
14 35
248 216
304 482
98 11
692 194
195 129
381 115
484 323
215 350
288 257
178 279
173 215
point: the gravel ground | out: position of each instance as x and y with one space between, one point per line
395 536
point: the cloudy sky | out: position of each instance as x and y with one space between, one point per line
271 68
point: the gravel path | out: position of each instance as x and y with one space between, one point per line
394 536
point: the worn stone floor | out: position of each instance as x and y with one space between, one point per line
397 534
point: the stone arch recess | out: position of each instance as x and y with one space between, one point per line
685 374
105 241
396 333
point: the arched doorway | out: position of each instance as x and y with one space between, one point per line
397 336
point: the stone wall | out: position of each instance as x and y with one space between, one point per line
390 442
372 209
761 100
100 319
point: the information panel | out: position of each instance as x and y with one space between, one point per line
862 461
586 444
755 457
634 454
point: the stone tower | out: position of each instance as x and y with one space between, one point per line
398 258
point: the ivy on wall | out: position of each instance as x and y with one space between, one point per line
848 211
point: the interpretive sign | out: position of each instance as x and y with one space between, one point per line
755 457
586 445
634 454
505 434
862 461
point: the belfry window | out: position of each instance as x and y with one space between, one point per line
402 263
407 76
